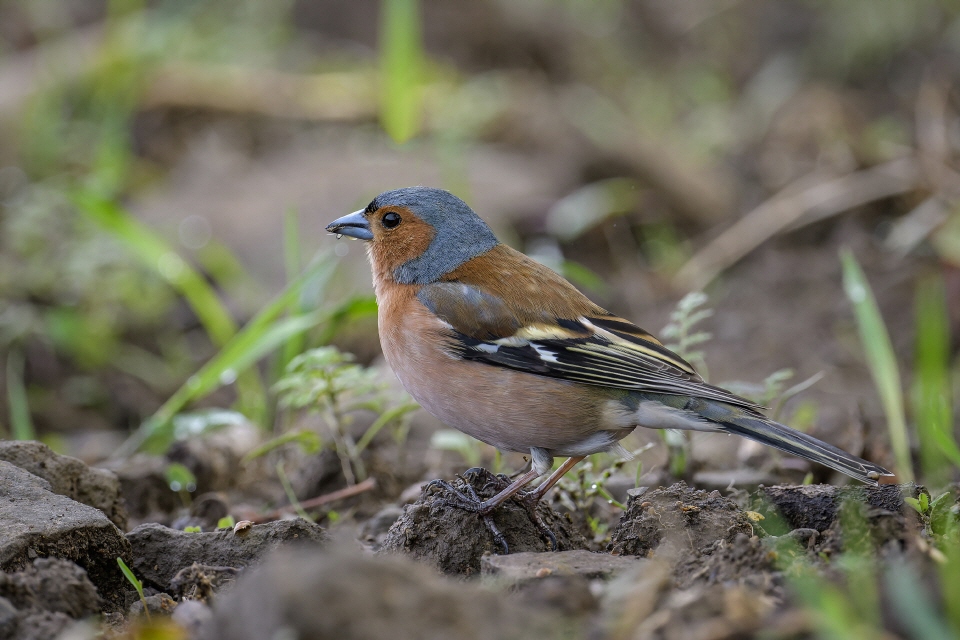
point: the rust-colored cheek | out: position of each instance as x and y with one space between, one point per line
391 248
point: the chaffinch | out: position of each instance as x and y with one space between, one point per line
505 350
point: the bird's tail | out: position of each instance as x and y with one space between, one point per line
800 444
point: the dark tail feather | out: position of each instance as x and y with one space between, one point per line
800 444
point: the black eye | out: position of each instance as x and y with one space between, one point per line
390 219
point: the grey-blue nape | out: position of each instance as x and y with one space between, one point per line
460 233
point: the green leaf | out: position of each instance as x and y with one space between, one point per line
880 359
943 513
128 574
180 478
911 600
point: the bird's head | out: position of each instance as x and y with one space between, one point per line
416 235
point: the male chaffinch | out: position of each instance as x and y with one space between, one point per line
505 350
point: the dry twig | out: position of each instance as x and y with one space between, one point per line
319 501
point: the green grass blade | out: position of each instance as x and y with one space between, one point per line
158 254
880 359
931 392
20 423
265 332
401 68
238 355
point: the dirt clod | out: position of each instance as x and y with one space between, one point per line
69 477
160 552
51 584
454 540
819 507
689 519
816 506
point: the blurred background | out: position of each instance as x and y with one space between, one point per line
167 169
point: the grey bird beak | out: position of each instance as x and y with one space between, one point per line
354 225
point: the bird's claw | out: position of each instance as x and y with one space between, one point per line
468 500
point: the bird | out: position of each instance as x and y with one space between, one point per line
504 349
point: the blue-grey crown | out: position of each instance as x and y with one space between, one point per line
460 233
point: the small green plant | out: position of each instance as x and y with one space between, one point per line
689 312
192 529
137 584
226 522
920 504
578 491
327 381
181 480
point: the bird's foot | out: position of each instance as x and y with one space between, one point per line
468 500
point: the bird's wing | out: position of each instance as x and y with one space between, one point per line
593 348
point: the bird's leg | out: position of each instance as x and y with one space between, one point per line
529 499
538 493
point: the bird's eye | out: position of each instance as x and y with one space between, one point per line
390 219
